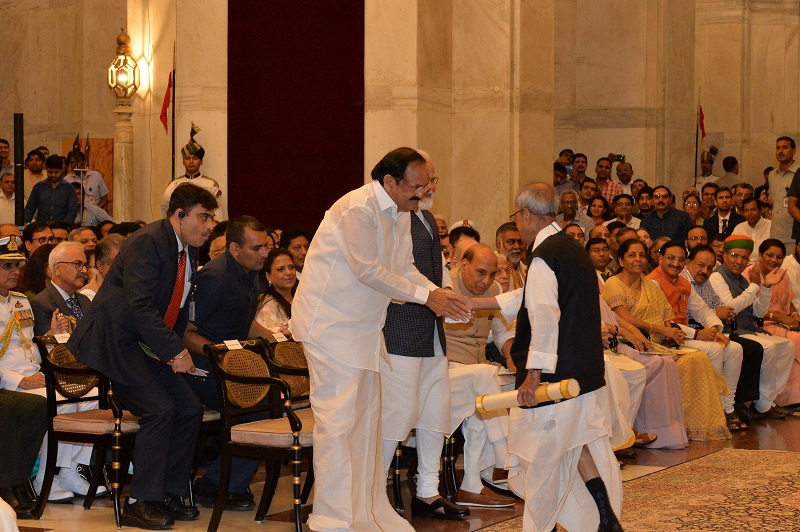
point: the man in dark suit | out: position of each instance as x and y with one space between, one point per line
133 334
69 270
725 218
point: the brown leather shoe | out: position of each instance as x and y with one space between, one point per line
485 499
499 475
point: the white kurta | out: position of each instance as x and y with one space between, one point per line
360 259
548 440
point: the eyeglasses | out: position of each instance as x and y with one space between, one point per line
692 204
78 264
432 181
55 240
671 258
45 239
696 238
738 256
569 202
515 213
660 196
505 270
624 204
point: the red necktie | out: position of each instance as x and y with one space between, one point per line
177 293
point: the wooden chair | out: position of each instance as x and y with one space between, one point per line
108 426
287 361
245 386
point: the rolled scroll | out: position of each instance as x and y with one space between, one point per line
545 393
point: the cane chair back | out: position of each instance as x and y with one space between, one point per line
245 363
72 385
291 354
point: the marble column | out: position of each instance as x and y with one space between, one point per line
123 161
471 82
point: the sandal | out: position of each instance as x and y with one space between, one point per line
644 439
734 423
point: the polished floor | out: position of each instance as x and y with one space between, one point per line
783 435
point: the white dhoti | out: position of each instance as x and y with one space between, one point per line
68 453
350 483
726 360
485 435
415 393
635 375
548 441
617 407
775 367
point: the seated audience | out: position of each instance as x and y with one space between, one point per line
598 253
749 297
104 256
639 301
598 210
296 240
36 234
696 236
691 206
575 231
570 213
509 244
68 272
103 228
60 231
84 236
275 306
644 202
644 237
665 219
623 211
709 200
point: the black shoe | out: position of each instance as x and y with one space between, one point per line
497 489
174 507
205 494
753 413
145 514
616 527
24 510
420 508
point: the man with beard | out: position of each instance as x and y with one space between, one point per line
133 334
34 172
749 298
696 236
644 201
53 199
755 226
666 220
509 243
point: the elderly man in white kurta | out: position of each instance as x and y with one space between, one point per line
570 473
359 260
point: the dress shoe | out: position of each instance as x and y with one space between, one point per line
205 494
58 494
498 489
145 514
70 479
174 507
484 499
753 413
500 475
775 412
24 510
420 508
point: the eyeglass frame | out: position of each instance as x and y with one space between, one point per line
431 181
77 264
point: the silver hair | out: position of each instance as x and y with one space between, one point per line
569 191
540 199
60 251
75 232
105 246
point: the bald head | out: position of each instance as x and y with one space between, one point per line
464 243
478 269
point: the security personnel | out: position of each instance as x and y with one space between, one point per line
222 306
193 154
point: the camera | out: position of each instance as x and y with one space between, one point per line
618 158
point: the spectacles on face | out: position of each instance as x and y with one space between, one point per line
419 189
673 258
514 214
56 240
624 204
697 239
45 239
78 264
738 257
660 196
570 202
507 271
691 204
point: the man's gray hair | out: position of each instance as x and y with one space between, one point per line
76 232
106 246
539 198
60 251
568 193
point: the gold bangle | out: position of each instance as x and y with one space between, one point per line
181 356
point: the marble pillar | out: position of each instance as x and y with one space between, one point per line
471 82
747 56
624 84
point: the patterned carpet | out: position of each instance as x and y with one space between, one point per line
729 490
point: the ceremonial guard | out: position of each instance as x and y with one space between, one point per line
193 154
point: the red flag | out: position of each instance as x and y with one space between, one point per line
167 100
701 121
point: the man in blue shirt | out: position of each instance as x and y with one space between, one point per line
665 220
53 199
224 302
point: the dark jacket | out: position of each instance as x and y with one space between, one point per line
129 308
47 301
711 224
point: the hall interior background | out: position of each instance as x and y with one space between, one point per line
298 100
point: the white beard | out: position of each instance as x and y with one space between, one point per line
426 203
